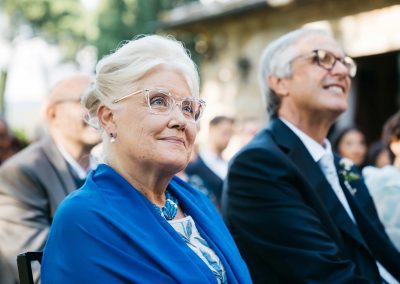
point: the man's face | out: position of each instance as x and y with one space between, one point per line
313 90
68 119
221 134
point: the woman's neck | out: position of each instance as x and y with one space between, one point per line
151 182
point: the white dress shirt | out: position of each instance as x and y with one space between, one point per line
214 162
317 151
75 166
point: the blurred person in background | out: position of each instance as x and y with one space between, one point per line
9 144
249 127
210 167
246 128
384 183
350 143
134 221
34 181
377 155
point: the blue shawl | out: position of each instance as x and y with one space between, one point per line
108 232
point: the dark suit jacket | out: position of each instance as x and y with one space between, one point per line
32 184
211 181
290 226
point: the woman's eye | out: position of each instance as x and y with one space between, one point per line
187 108
159 101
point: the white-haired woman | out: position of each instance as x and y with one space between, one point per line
134 221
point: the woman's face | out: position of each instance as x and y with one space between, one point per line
155 140
353 146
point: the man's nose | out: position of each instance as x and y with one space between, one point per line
340 68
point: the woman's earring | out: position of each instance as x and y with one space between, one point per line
112 137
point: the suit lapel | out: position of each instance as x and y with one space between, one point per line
311 172
61 173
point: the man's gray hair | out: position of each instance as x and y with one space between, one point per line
276 60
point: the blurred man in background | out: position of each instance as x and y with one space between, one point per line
209 166
35 181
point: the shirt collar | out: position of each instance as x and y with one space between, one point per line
313 147
75 166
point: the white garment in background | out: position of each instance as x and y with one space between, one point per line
214 162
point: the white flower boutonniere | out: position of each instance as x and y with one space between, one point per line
346 166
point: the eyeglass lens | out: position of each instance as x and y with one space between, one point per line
161 102
327 60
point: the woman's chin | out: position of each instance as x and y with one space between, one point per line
175 166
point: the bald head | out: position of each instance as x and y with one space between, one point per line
69 89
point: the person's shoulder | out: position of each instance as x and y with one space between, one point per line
381 177
77 205
262 146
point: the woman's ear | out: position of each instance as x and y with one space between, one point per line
106 118
278 85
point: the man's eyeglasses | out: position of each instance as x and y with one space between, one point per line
327 60
162 102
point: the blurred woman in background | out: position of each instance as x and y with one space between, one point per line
350 143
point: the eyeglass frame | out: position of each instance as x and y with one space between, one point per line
169 94
66 100
342 60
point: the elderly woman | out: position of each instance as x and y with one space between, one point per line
134 221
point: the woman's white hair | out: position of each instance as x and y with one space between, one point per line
276 60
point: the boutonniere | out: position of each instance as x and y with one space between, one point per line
348 175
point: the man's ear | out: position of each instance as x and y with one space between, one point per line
278 85
50 112
106 118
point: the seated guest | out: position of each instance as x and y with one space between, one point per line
134 221
298 212
209 169
384 183
34 181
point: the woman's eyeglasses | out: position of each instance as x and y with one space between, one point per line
162 102
327 60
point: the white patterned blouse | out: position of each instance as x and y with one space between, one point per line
186 228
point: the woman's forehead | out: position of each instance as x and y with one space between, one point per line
167 79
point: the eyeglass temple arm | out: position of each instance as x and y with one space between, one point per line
127 96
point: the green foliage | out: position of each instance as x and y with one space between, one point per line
67 23
21 137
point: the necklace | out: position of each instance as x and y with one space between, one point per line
169 210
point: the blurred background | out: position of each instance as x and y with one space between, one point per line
43 40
